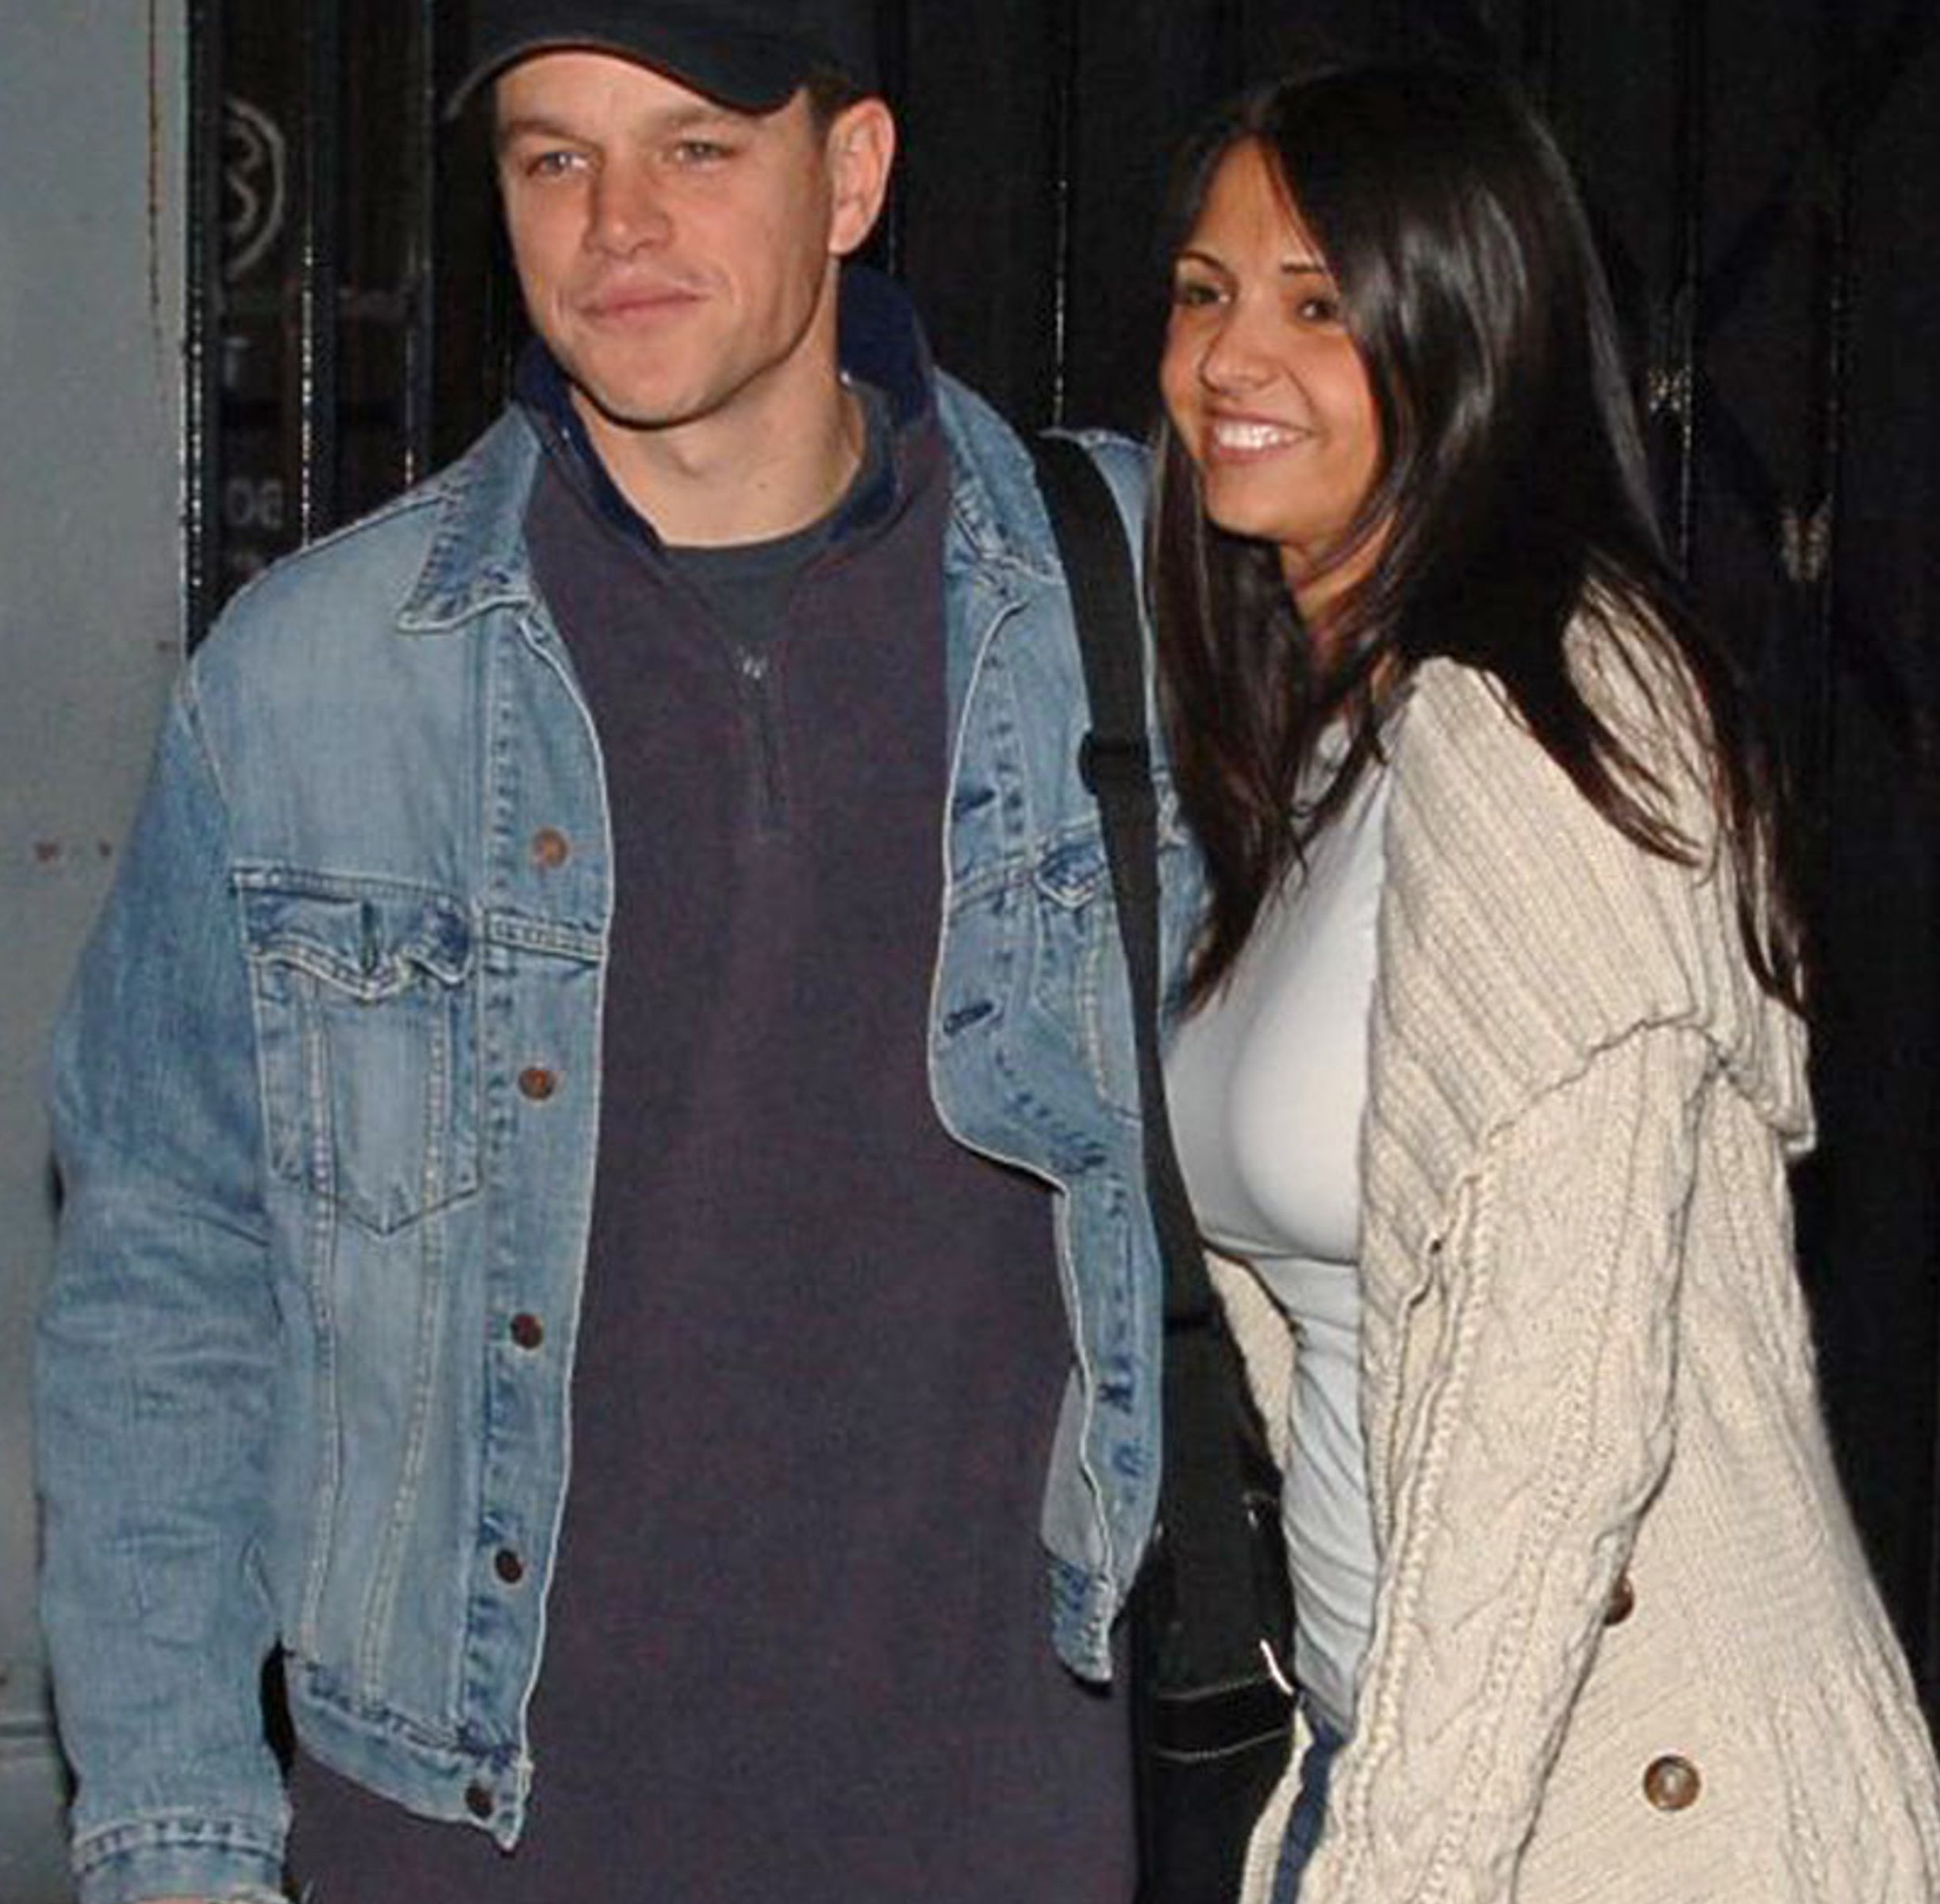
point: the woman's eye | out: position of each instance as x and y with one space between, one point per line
1191 292
1320 307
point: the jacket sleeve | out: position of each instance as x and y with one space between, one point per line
1538 1374
154 1358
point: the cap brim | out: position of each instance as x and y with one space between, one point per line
762 76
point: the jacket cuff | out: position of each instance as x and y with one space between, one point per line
234 1861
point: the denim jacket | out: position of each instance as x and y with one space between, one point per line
326 1099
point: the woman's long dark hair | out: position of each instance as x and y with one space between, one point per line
1512 500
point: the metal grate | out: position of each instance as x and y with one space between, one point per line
326 372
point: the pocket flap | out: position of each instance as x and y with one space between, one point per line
370 943
1073 869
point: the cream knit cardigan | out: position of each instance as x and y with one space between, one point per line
1587 1380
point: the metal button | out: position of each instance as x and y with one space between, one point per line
537 1083
1622 1602
1672 1783
551 848
479 1801
508 1566
527 1331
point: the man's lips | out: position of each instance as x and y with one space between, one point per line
621 304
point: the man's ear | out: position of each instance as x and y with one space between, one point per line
862 147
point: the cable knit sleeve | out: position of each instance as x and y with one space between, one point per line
1537 1363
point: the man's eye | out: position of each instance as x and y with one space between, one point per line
701 151
551 165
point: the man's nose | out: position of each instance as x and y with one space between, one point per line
628 210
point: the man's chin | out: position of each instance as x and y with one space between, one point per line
633 408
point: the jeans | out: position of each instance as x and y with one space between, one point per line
1309 1812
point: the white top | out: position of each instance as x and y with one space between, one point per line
1267 1084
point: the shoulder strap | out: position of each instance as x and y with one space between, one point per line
1201 1505
1116 761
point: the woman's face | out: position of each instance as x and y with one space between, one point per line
1264 385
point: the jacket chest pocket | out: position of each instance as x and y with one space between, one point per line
368 1033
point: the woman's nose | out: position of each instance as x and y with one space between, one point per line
1237 356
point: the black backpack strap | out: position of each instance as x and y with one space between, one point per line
1201 1505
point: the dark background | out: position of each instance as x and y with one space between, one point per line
1762 175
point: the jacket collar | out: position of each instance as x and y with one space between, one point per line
477 559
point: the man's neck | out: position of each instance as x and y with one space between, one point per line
703 485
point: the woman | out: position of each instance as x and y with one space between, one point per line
1492 1058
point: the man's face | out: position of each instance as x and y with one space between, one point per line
677 256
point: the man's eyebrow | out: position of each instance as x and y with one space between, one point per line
528 125
668 121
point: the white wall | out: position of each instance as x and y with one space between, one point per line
92 99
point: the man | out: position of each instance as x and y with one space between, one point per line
584 921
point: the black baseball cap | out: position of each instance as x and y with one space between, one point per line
750 55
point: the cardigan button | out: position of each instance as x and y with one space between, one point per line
1622 1602
536 1082
1671 1783
508 1567
527 1331
550 849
